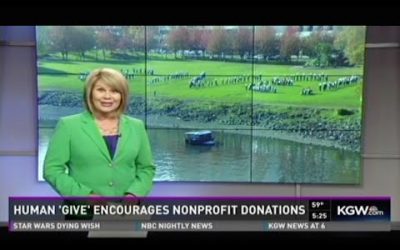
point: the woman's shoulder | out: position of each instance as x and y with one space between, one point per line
74 118
133 121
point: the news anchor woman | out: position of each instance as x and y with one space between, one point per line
102 151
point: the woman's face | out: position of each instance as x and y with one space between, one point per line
105 100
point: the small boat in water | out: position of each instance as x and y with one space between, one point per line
204 137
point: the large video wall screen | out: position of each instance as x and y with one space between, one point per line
264 104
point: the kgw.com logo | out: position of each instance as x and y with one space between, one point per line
359 210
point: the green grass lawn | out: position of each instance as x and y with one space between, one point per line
57 75
72 82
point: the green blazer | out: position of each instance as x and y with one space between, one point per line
78 162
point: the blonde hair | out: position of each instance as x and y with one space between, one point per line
113 79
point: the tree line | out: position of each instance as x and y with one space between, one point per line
342 46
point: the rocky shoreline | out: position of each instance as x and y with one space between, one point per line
300 124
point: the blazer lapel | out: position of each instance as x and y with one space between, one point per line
90 128
125 133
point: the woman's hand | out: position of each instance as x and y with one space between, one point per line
131 199
96 199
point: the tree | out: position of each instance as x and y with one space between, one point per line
244 42
351 40
124 40
60 37
82 40
136 34
205 40
324 52
151 37
197 41
310 43
106 39
291 44
219 42
266 42
178 39
44 40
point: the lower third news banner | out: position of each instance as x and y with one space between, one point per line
200 214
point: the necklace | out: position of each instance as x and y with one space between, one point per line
109 128
109 131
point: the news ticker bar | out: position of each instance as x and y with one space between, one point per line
198 226
371 209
